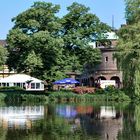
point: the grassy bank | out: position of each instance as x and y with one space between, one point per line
110 94
68 96
18 96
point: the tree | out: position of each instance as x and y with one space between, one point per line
32 61
3 55
132 11
128 55
79 27
33 41
48 46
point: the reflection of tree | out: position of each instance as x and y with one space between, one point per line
2 134
86 124
56 129
137 117
59 128
106 127
131 123
19 134
53 127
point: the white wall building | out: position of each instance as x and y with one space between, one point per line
24 81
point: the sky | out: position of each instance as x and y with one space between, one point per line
106 10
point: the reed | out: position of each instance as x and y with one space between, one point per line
61 96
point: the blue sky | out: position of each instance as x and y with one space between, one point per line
104 9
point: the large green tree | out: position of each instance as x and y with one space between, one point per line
34 44
79 27
47 46
132 11
128 55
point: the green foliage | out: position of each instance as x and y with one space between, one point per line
137 117
60 95
90 58
19 97
100 91
111 89
132 11
56 130
111 95
3 55
120 96
34 44
14 88
116 94
79 27
34 98
2 97
44 45
33 61
128 55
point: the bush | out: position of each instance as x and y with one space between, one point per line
11 88
83 90
116 94
100 91
111 89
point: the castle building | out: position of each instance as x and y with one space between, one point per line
107 69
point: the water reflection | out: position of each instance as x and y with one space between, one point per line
71 122
20 117
105 121
66 111
111 122
108 112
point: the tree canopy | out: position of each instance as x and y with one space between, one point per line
132 11
128 55
3 55
48 46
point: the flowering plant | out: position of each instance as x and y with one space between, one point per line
83 90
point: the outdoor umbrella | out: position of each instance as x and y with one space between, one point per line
67 81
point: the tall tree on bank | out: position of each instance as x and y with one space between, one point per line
34 44
79 27
128 55
45 45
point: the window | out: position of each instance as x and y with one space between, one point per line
24 86
18 84
106 59
32 85
3 84
37 85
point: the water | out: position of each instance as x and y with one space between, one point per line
96 121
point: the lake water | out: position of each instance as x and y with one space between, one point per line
87 121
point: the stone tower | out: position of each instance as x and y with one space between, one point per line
107 69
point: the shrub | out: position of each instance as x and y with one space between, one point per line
99 91
83 90
118 97
111 89
11 88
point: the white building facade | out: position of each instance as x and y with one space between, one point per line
24 81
